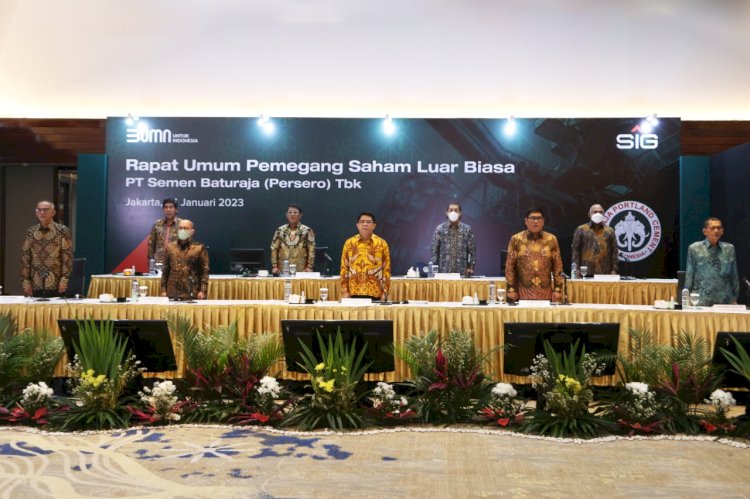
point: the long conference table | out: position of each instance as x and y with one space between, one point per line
229 287
487 322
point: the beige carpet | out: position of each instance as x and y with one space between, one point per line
215 462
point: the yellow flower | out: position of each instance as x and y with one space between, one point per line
320 367
343 369
326 385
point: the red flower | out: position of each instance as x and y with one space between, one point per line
503 422
257 416
710 428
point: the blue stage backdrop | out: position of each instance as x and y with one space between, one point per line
234 179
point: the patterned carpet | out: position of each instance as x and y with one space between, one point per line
217 462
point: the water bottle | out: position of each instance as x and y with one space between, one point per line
492 293
573 270
287 289
285 268
134 291
430 273
302 297
685 299
151 266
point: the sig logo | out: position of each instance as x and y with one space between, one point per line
637 140
148 135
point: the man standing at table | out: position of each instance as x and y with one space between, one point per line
164 231
46 255
712 267
294 242
454 249
365 263
533 270
594 245
185 273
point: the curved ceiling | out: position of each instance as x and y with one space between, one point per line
415 58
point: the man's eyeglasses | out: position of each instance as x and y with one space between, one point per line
292 213
535 218
42 210
366 222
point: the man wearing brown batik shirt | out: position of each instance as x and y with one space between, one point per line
185 272
164 231
533 270
46 255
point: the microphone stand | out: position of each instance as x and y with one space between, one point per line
565 289
190 288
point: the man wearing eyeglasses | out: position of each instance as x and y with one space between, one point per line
164 231
186 267
454 249
712 267
533 270
46 255
294 242
365 263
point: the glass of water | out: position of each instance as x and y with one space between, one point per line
158 266
501 296
584 271
695 299
323 294
142 291
292 270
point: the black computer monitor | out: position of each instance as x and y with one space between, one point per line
246 260
526 340
149 341
376 334
723 340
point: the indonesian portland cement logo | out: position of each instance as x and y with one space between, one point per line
637 229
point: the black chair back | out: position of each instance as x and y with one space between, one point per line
77 280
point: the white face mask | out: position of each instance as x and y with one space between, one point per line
453 216
183 234
597 218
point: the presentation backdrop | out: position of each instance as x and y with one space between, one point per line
234 179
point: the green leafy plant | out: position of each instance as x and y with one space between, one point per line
418 352
740 361
100 373
27 356
335 401
563 382
452 387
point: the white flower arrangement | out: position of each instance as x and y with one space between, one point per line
387 400
637 388
504 390
36 395
269 386
721 400
162 398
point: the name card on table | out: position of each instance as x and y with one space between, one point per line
447 275
153 300
730 307
308 275
356 302
607 277
534 303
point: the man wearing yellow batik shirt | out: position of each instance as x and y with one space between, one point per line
365 263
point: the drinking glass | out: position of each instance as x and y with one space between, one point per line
158 266
323 294
584 271
500 296
292 270
695 299
142 291
435 270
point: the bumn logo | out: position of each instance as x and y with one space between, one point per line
148 135
637 140
637 229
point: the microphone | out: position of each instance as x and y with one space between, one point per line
565 276
327 257
746 281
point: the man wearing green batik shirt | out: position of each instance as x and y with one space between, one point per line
712 267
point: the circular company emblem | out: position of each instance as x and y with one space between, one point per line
637 229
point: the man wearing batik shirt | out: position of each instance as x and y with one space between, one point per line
164 231
185 272
594 244
533 258
46 255
712 267
294 242
453 247
365 263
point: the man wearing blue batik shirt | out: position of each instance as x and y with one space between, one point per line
453 247
712 267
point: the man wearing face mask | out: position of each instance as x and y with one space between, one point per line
454 249
185 273
594 245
